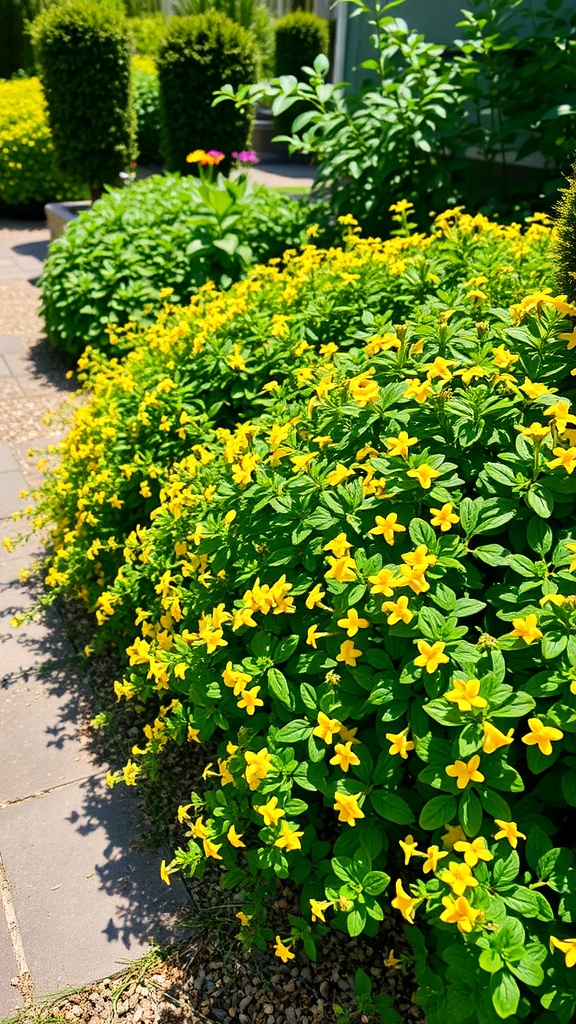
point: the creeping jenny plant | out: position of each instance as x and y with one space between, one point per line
362 595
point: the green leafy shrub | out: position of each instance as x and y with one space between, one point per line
147 33
360 597
27 166
142 8
15 46
389 141
114 263
199 55
146 99
82 48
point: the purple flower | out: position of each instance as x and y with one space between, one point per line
246 156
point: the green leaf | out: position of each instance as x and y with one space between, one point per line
490 961
528 971
504 871
537 845
392 807
422 533
356 921
375 882
294 731
278 687
505 994
524 901
470 813
438 812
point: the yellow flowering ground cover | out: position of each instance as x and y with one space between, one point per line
27 170
352 571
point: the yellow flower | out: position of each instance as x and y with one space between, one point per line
235 679
257 767
250 700
363 390
431 655
439 368
244 918
459 912
444 517
424 474
342 569
400 445
494 739
566 946
410 848
339 546
315 597
459 877
270 811
234 837
465 694
284 952
465 772
433 855
509 831
404 903
289 838
130 772
400 743
326 727
419 390
533 391
474 851
211 849
347 806
387 526
317 908
399 611
453 835
541 735
391 960
527 628
536 432
344 756
166 871
383 582
352 622
300 462
348 653
313 635
337 475
565 457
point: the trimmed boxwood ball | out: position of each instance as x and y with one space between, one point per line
82 48
199 55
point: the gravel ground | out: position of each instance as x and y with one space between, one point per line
209 977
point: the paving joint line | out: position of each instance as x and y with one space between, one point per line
52 789
24 982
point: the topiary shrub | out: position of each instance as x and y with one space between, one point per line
27 166
356 606
82 48
300 37
564 240
146 99
199 55
253 15
114 262
15 46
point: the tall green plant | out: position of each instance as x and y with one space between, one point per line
253 15
198 55
390 141
83 51
564 241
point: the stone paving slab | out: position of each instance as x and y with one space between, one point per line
10 343
10 998
84 896
7 461
41 728
12 482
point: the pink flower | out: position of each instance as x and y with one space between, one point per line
246 156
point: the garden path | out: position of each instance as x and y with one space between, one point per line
77 893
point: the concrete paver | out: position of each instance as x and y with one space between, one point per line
84 896
10 343
12 482
10 998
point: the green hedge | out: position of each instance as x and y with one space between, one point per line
15 46
198 55
82 48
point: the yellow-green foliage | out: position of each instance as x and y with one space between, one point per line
361 595
27 169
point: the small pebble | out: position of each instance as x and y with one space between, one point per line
268 1009
290 1014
